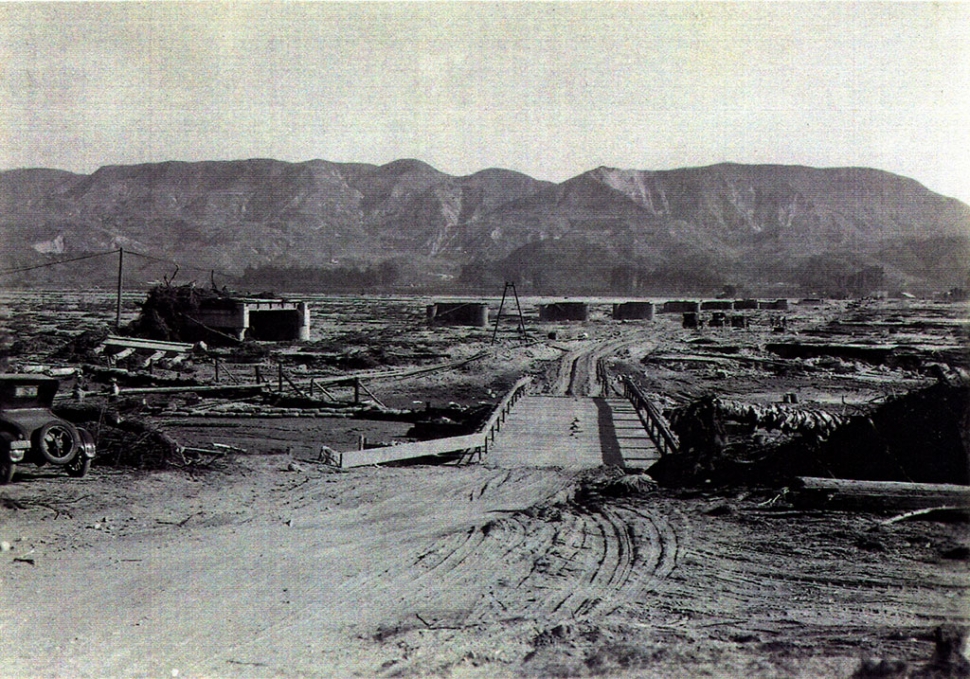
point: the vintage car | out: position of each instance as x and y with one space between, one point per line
31 433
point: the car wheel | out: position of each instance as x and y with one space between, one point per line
7 470
58 442
79 466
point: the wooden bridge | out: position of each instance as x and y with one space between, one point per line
572 432
579 425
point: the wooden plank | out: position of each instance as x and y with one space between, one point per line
547 431
139 343
228 388
505 403
407 451
452 444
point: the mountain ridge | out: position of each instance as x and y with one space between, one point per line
754 225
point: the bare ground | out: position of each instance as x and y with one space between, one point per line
272 567
270 564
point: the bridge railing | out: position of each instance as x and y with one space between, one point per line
494 423
475 444
650 416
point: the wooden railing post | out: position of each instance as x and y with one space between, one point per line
650 417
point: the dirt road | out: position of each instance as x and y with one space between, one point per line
579 371
280 568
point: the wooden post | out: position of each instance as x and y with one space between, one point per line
121 267
356 391
519 308
498 316
311 387
217 369
259 377
281 377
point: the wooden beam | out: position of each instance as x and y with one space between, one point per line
228 388
860 495
139 343
407 451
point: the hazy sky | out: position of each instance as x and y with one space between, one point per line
549 89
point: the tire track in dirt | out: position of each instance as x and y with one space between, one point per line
630 552
465 555
561 560
442 580
579 372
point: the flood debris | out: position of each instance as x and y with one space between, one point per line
188 313
921 437
917 500
125 439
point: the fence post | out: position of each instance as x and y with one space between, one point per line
281 377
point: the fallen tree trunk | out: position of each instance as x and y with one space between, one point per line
876 496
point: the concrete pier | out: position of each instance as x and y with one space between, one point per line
258 319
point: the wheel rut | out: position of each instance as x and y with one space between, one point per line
565 560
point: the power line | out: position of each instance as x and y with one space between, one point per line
112 252
62 261
172 261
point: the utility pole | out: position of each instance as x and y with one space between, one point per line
121 267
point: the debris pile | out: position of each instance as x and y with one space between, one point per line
82 348
923 437
124 439
166 311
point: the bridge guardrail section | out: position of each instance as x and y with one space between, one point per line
652 419
476 443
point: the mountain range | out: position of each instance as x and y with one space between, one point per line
268 222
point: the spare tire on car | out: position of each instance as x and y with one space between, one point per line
57 441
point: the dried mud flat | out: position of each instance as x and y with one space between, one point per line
271 564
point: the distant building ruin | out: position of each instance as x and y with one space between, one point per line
777 305
474 314
633 311
270 320
188 313
681 307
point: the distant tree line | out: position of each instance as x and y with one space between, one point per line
321 279
579 267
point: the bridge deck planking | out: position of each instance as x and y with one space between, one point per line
573 433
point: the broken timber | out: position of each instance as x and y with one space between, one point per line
153 345
476 443
857 495
237 389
